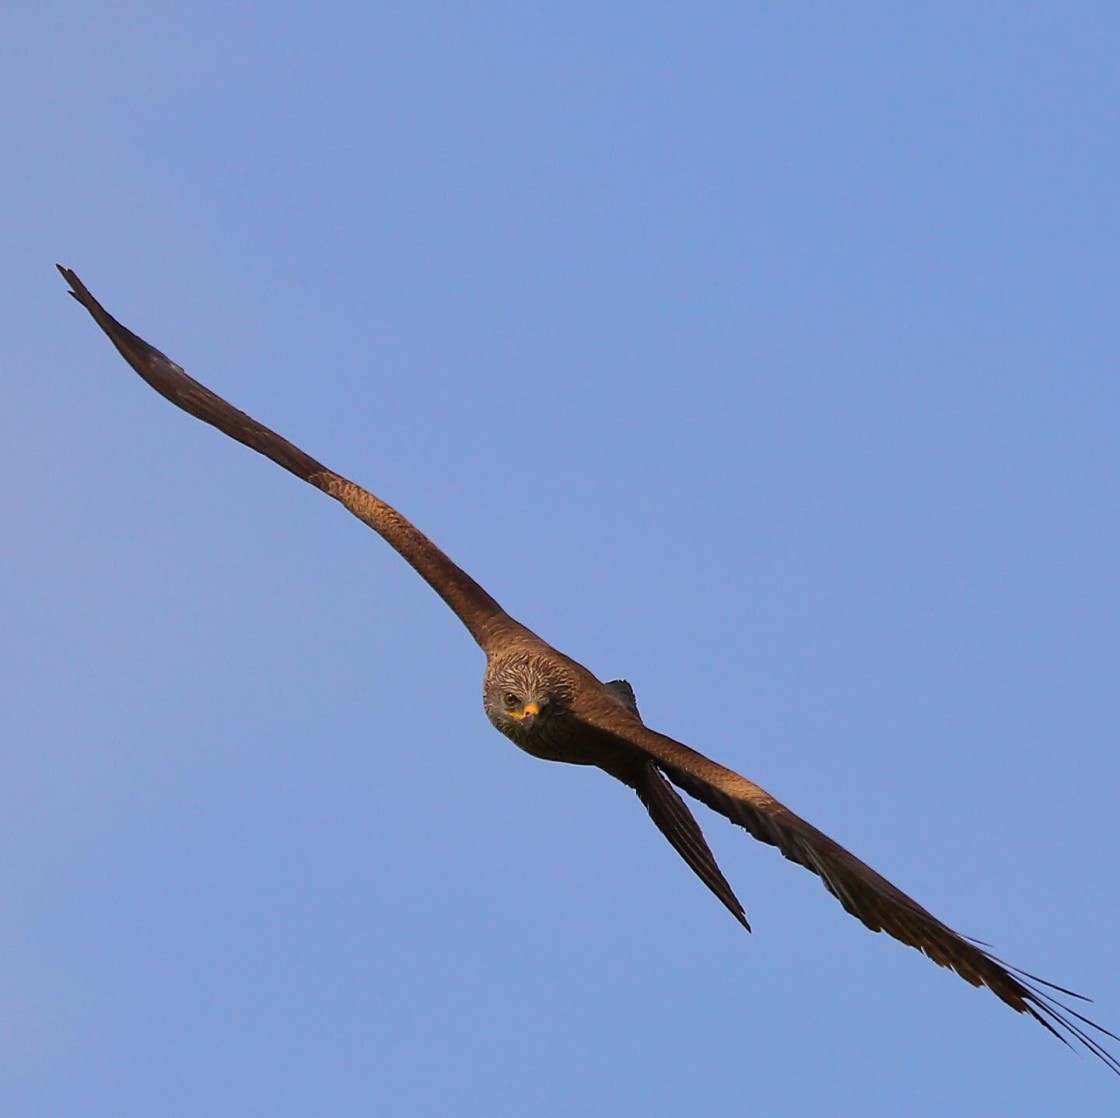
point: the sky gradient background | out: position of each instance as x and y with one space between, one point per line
765 355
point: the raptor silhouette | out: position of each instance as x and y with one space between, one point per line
554 708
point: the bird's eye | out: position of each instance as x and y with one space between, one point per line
511 700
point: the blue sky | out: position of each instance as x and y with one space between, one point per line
765 355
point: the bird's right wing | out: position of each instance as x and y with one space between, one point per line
478 611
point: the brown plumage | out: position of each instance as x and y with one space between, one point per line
554 708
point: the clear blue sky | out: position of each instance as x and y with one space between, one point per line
765 355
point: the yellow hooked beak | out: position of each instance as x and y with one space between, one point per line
525 711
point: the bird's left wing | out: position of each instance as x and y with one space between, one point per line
865 894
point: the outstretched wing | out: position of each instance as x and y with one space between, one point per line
479 612
867 895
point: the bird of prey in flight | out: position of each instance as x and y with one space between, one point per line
554 708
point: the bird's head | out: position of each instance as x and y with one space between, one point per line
522 691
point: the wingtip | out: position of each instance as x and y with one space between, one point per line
80 292
76 285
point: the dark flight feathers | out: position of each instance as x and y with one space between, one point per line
679 826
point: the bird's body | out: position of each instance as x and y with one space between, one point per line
553 708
